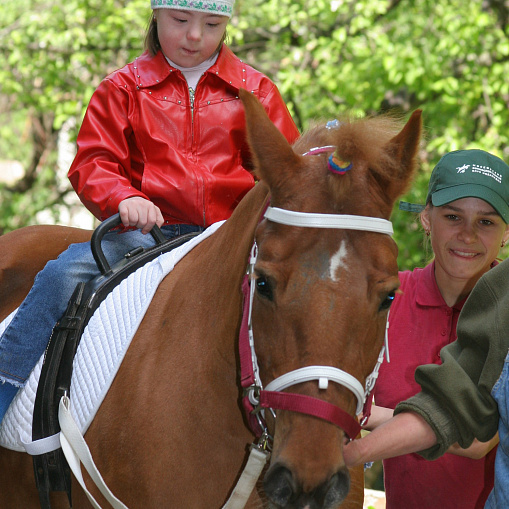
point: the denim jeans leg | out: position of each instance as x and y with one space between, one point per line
7 393
26 337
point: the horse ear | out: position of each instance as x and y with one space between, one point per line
269 148
404 148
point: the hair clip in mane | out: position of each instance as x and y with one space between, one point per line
338 166
333 124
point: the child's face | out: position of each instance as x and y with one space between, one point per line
188 38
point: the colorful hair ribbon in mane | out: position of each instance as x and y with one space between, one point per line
335 164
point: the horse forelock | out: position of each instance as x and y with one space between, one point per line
364 142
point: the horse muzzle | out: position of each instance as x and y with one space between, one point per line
285 491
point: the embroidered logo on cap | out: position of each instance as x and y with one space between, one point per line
488 172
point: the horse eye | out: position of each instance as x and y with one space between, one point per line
263 287
386 303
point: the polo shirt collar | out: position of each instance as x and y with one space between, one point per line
428 293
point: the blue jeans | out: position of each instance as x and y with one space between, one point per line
26 337
499 497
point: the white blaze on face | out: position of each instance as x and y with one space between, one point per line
338 260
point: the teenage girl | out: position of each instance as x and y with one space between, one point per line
465 217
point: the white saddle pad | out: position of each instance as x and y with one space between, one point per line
101 350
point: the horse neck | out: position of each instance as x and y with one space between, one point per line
232 243
191 328
212 274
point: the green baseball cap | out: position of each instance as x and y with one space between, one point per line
471 173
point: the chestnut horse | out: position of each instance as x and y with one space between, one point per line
171 432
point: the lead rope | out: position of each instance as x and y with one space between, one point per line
258 458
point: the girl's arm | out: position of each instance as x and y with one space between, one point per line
101 172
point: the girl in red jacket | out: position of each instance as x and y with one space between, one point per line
162 142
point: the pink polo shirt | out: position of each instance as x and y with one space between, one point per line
420 324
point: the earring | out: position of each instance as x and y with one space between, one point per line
428 232
502 244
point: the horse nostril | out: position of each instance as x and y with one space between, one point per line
336 489
279 485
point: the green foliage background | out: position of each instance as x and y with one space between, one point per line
329 57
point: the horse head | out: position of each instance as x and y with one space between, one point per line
322 284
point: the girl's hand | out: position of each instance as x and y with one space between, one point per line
140 213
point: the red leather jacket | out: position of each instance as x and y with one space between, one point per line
141 137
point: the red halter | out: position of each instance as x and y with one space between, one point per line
256 398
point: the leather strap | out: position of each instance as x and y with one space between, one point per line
247 481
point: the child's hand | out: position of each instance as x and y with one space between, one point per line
140 213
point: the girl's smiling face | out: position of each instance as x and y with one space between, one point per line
188 38
465 236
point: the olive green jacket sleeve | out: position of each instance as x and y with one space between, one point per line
456 396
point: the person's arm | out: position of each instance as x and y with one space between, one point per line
405 433
101 172
476 451
455 404
456 396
